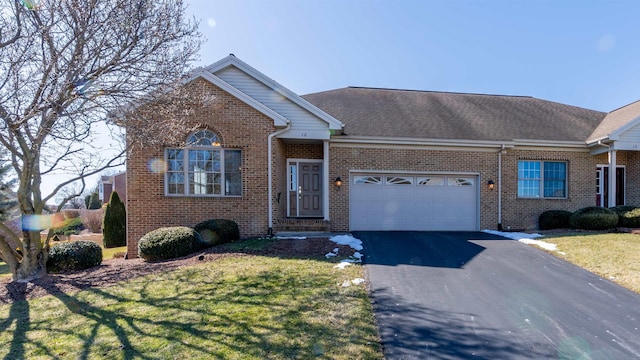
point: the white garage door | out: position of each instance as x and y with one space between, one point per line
413 202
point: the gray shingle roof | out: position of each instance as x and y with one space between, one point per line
614 120
442 115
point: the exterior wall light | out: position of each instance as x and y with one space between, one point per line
491 184
338 182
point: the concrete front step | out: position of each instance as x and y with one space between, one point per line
303 225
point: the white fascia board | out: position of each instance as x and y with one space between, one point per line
550 143
411 141
278 120
334 124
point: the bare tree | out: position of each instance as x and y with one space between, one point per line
67 70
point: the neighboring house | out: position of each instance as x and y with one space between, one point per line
111 183
379 159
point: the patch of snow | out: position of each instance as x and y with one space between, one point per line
356 281
512 235
342 265
291 237
543 244
349 240
526 238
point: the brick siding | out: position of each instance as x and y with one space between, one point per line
240 127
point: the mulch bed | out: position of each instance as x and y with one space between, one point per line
113 271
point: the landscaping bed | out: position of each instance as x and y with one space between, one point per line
113 271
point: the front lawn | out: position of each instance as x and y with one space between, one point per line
612 256
238 307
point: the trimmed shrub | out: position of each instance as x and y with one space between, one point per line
217 231
594 218
114 230
74 255
628 216
554 219
71 226
168 243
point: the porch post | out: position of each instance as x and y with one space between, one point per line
612 178
325 183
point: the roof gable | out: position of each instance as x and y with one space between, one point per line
617 123
231 65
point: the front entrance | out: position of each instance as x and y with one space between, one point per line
602 185
304 184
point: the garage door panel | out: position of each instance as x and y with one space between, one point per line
410 202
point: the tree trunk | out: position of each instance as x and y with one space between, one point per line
34 259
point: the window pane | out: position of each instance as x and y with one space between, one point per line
555 175
528 170
203 176
431 181
175 182
529 179
528 188
203 138
232 172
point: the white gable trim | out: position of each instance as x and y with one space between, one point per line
278 120
231 60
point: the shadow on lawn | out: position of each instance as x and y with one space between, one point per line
200 325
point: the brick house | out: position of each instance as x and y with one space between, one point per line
379 159
110 183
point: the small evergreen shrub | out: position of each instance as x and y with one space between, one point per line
74 255
594 218
628 216
114 230
217 231
554 219
168 243
71 226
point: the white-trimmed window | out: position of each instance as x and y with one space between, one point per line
203 168
542 179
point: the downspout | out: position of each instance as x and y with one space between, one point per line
500 187
270 174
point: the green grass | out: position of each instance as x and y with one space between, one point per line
108 253
612 256
249 307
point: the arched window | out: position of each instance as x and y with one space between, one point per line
203 167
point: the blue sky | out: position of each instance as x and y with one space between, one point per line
583 53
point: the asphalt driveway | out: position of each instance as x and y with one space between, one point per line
463 295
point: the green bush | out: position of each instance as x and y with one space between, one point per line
594 218
217 231
74 255
114 230
628 216
554 219
70 226
168 243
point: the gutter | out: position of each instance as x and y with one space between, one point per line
270 174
